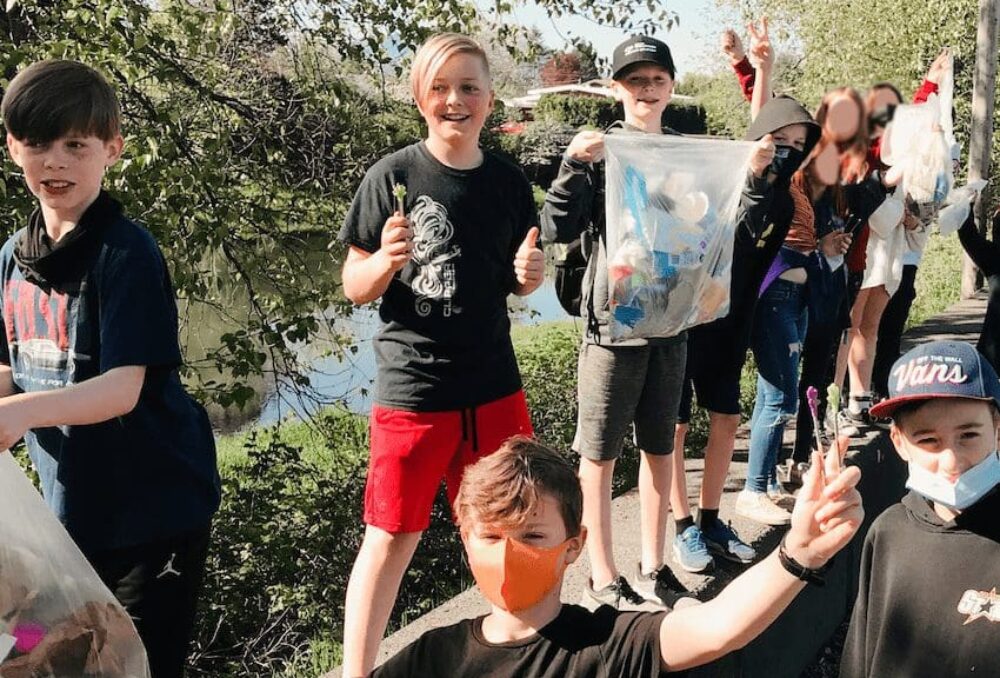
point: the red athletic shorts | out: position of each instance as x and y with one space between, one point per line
412 451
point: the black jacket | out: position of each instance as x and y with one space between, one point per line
574 203
986 256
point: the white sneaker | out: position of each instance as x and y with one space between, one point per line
757 506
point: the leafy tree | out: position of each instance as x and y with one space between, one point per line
245 140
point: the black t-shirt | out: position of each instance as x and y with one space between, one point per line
578 643
140 477
445 338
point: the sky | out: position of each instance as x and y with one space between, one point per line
694 42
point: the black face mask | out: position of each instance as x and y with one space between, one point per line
786 161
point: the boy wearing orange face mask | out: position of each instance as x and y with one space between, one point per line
520 513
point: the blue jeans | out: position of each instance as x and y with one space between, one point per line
779 330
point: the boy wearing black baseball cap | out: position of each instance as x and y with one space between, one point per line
628 384
927 601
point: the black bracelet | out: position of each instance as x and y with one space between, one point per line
800 571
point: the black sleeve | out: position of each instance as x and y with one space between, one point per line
137 311
755 207
864 198
568 202
984 254
854 661
633 648
372 205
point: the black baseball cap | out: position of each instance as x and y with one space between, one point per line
940 369
641 49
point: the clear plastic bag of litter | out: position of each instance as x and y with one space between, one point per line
57 619
671 216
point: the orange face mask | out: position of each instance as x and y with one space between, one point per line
513 575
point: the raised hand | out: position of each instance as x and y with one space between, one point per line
587 146
732 46
827 513
763 155
939 66
761 53
529 263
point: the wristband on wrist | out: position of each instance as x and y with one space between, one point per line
799 571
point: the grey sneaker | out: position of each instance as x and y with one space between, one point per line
691 552
619 594
663 588
722 541
758 506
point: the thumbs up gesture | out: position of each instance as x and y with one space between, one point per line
529 264
827 513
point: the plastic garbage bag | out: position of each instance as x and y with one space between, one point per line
671 212
57 620
951 218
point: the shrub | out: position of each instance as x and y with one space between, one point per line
599 113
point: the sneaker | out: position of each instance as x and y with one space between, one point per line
663 588
853 425
757 506
619 594
690 550
780 496
722 541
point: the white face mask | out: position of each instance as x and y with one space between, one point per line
971 486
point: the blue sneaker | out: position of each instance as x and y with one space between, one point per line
722 540
690 550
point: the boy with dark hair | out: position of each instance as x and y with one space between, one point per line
520 513
626 384
927 603
88 363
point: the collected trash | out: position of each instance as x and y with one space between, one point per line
671 217
57 619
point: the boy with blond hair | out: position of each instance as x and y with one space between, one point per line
441 232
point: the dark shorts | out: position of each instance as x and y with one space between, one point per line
715 360
621 386
158 585
411 452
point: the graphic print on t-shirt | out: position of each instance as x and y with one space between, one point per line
980 605
433 250
37 325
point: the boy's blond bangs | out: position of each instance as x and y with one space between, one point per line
434 53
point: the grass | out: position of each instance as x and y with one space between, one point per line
939 278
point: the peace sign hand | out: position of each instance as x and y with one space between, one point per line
761 54
827 513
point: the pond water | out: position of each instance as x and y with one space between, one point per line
344 376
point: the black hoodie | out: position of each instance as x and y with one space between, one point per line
763 220
927 600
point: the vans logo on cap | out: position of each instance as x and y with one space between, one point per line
639 47
927 370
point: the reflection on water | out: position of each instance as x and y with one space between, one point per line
349 377
336 375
